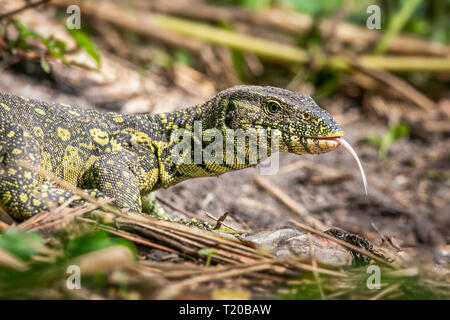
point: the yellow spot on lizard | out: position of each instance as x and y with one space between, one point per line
40 111
118 118
23 197
101 137
63 134
38 132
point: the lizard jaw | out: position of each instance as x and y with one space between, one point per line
321 145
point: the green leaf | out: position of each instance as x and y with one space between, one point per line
384 142
95 241
374 139
256 4
399 131
20 243
55 47
83 41
60 45
316 7
206 252
55 50
44 65
183 57
24 33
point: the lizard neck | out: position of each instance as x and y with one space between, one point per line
196 142
208 115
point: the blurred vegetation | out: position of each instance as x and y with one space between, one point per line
354 287
318 68
384 142
325 74
40 268
428 19
54 48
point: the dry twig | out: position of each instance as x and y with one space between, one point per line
290 203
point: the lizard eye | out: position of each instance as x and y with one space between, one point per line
273 107
306 116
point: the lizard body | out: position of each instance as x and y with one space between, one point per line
127 156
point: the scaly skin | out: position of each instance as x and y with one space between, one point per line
125 157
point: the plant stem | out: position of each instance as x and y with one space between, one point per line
397 23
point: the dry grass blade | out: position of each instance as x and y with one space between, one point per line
199 234
104 260
8 260
386 291
131 237
290 203
401 86
189 241
314 265
174 207
306 267
172 290
220 220
58 217
5 219
409 272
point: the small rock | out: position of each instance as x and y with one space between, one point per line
291 242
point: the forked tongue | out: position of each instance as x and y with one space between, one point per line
349 148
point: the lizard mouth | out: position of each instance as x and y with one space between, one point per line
322 144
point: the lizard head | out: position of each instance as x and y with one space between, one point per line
305 127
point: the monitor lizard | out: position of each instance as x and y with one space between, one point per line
127 156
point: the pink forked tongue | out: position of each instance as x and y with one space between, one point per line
349 148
